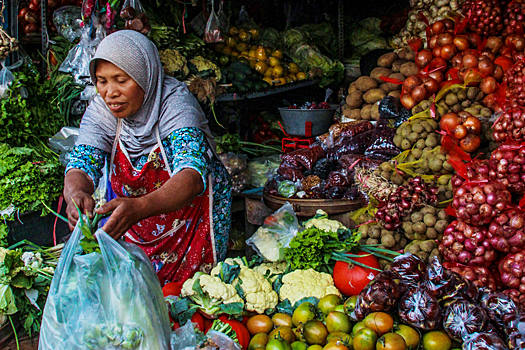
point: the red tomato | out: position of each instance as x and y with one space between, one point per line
199 320
172 288
351 279
242 332
245 320
207 324
270 220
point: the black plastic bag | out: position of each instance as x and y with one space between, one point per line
306 157
390 107
322 168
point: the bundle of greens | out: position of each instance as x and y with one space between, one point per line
27 180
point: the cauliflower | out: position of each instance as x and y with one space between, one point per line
301 284
267 244
174 63
322 222
271 270
212 295
257 291
203 64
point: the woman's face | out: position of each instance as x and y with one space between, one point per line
123 96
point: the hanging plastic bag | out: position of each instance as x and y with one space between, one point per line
106 300
213 33
136 19
278 230
78 58
68 21
6 80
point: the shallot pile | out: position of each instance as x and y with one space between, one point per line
479 203
510 125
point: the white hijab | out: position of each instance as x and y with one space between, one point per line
167 104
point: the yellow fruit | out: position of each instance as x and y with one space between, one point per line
278 54
268 72
227 50
244 36
278 71
261 66
252 54
291 76
255 34
230 41
293 67
242 47
234 31
300 75
274 61
279 82
253 61
261 54
268 80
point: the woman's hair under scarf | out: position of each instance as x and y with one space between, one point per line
167 104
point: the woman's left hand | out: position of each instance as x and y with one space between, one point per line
126 212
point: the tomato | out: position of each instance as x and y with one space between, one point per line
365 339
391 341
357 327
349 304
315 347
280 319
379 322
338 322
410 335
335 346
283 332
258 341
175 325
328 303
436 340
172 288
259 324
199 320
277 344
339 336
207 324
242 333
304 313
315 332
270 220
299 345
351 279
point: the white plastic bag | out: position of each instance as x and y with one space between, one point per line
213 33
6 80
276 234
68 21
110 300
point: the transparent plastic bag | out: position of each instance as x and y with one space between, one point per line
108 300
6 80
261 168
184 338
136 19
463 319
213 33
234 163
68 21
410 267
63 142
498 306
240 181
484 341
223 341
78 58
276 234
418 308
515 330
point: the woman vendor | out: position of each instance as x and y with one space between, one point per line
172 195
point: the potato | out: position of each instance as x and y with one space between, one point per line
396 93
375 111
378 72
352 88
410 56
355 99
374 95
355 114
365 83
396 66
346 110
401 53
387 59
385 88
397 76
366 112
408 69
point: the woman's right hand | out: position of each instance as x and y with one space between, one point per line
84 201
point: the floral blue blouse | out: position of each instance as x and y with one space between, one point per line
185 148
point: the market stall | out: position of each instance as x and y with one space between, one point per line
376 167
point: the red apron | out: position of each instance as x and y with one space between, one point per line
178 243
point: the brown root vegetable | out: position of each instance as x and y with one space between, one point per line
397 76
387 59
366 112
365 83
408 69
374 95
379 72
396 66
355 99
136 25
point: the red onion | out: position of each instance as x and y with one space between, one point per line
507 231
510 125
467 244
515 91
513 19
508 168
472 213
516 296
512 270
479 275
475 170
487 16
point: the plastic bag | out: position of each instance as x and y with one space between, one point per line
484 341
78 58
310 182
290 173
515 330
410 267
223 341
63 142
356 129
68 21
390 108
304 156
240 181
261 168
336 192
107 300
288 189
498 306
382 294
278 230
184 338
351 145
463 319
6 80
234 163
213 33
322 168
418 308
479 275
340 177
438 280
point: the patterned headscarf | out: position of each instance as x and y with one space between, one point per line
167 101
